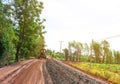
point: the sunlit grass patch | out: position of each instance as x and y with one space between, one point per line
110 72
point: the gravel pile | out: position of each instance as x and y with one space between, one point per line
64 74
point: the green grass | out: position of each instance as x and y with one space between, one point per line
110 72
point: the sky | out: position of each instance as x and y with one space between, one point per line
82 21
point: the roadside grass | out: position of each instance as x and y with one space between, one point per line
110 72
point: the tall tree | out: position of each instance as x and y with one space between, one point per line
70 51
97 51
105 47
66 54
117 57
29 27
86 49
79 48
109 57
75 50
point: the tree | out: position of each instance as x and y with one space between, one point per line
86 49
105 47
117 57
28 27
66 54
79 48
75 49
109 57
70 51
7 35
97 51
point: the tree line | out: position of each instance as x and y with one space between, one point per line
97 52
21 29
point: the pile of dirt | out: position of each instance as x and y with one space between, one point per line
64 74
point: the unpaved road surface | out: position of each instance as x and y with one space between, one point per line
43 71
26 72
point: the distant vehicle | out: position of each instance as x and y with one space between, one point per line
42 54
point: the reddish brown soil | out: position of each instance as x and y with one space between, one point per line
26 72
31 75
39 71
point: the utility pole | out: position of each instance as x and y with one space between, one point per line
60 45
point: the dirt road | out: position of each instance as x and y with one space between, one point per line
43 71
26 72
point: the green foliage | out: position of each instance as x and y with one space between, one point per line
84 58
7 37
75 50
57 55
66 53
105 48
21 30
117 57
97 51
26 15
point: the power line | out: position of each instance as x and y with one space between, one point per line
115 36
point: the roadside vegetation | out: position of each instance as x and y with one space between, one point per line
57 55
21 30
95 58
110 72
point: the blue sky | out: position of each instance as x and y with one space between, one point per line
81 20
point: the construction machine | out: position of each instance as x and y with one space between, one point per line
42 54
